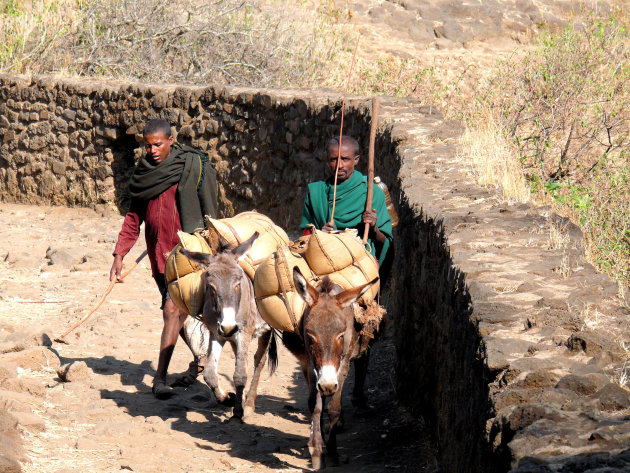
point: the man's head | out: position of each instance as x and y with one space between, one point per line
157 139
349 157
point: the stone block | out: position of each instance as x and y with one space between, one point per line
69 114
613 397
75 371
580 385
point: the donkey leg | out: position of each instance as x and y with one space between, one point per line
359 399
334 413
211 373
259 363
315 442
240 347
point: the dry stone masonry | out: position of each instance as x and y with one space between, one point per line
510 345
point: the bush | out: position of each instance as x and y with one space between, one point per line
565 108
248 43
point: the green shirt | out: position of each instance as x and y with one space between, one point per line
349 208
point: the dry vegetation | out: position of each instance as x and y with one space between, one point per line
563 107
249 43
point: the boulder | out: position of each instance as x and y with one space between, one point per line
74 371
581 385
612 397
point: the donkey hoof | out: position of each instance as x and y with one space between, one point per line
238 413
247 412
229 400
318 463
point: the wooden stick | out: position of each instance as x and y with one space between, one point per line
370 182
343 108
109 289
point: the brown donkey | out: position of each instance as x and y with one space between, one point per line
328 341
231 315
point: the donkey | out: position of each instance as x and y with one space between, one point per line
326 344
231 315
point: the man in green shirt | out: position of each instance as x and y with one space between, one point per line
350 201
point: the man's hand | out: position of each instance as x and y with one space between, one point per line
328 228
116 268
369 217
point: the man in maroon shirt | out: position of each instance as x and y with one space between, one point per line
172 188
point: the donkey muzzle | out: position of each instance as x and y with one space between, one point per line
227 330
227 326
327 380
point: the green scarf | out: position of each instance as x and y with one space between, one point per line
196 179
349 208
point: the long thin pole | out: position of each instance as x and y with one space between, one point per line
370 182
109 289
343 108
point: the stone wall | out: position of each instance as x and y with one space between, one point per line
491 352
75 143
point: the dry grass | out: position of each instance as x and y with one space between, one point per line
493 161
558 237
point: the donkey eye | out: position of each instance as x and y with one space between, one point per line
237 284
340 336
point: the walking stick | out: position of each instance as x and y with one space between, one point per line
370 182
109 289
343 108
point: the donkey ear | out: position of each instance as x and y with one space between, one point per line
244 247
352 295
304 289
201 258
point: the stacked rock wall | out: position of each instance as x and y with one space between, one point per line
76 142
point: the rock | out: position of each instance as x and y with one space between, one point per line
7 463
18 341
33 387
63 257
34 358
539 379
30 421
453 30
580 385
19 402
445 43
7 372
591 343
603 359
612 397
11 452
19 260
74 371
84 443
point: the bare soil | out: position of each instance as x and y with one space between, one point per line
110 421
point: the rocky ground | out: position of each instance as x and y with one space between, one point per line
87 405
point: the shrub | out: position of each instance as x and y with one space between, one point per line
565 108
248 43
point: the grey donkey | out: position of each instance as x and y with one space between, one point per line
231 315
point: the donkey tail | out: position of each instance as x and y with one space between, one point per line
272 362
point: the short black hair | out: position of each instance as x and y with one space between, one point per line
157 125
345 140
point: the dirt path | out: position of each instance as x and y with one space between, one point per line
109 421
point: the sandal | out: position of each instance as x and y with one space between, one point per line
189 377
161 390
